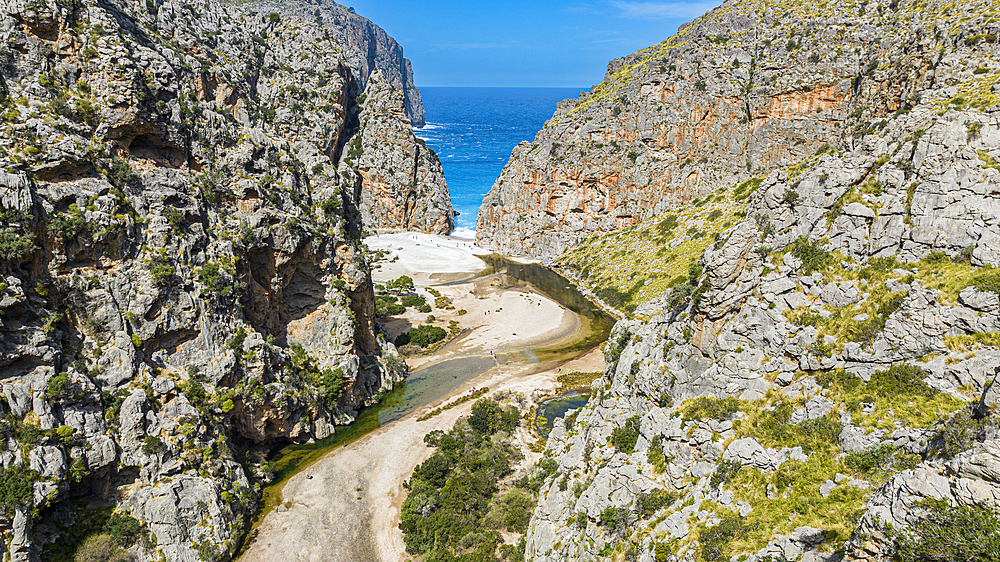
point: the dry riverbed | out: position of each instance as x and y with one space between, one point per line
346 506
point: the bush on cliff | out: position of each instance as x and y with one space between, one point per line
812 254
15 488
947 533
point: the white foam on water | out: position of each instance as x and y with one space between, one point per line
464 233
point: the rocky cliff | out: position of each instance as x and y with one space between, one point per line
806 368
399 182
745 89
182 286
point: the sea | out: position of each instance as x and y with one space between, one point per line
473 131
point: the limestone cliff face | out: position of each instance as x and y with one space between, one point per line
800 370
182 286
365 48
747 88
401 185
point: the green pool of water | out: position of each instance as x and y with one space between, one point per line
555 408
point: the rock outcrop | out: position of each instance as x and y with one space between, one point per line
806 341
401 184
750 87
182 286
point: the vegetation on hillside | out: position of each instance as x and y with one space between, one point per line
462 500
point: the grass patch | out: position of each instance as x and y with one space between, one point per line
576 379
633 265
709 408
795 502
770 422
897 394
966 342
461 400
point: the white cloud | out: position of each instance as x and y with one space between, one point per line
646 10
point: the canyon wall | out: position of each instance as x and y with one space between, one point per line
795 206
745 89
182 283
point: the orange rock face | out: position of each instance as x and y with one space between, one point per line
734 95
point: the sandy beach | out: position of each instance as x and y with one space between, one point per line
426 258
349 509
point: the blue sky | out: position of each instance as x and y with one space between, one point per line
523 43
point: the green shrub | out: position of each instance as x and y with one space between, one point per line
421 336
946 533
839 379
715 540
812 254
15 488
28 434
121 175
16 239
97 536
626 436
413 301
160 269
453 506
112 404
402 284
987 282
901 380
614 517
960 433
746 188
724 472
667 225
513 511
791 198
870 460
64 433
69 225
175 218
386 305
648 503
101 548
332 386
488 417
151 445
211 276
196 394
57 385
654 455
613 349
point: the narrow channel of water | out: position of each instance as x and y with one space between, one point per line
597 323
428 385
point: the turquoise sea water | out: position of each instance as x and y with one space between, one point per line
473 131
